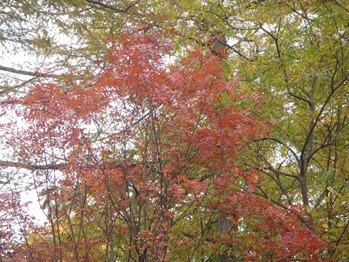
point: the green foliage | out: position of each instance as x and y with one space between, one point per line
289 62
296 53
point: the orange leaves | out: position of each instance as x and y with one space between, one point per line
302 240
15 223
52 102
146 147
136 68
266 229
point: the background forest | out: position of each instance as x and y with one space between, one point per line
179 130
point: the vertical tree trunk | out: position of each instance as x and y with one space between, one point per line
224 225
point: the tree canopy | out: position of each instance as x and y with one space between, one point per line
175 131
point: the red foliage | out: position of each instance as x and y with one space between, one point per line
15 223
142 147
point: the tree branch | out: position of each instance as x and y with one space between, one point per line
62 166
112 7
27 73
281 143
32 166
339 3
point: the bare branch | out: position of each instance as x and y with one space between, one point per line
31 166
62 166
28 73
112 7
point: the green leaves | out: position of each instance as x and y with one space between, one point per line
187 129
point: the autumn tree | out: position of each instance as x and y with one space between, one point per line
44 39
141 163
289 59
297 53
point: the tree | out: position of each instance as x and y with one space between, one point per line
59 36
293 52
144 160
297 53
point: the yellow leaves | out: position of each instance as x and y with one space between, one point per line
79 3
330 189
41 43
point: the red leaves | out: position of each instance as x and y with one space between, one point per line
146 147
15 223
303 241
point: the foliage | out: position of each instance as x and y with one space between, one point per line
142 162
252 110
296 53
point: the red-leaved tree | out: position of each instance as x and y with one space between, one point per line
140 164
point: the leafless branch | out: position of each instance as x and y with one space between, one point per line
103 5
28 73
